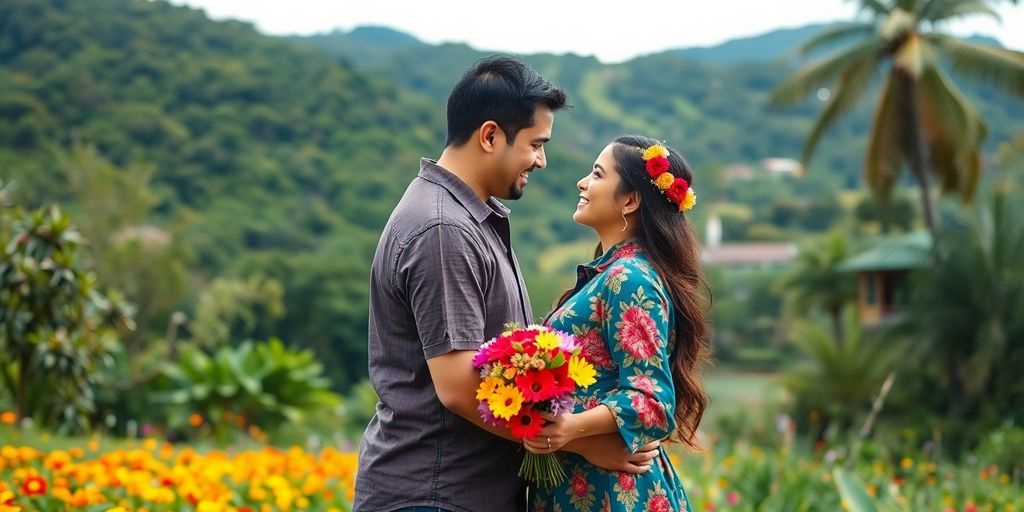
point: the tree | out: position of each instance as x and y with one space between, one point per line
56 328
922 119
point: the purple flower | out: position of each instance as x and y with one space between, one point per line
568 342
485 412
561 405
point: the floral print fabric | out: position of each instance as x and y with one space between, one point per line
622 316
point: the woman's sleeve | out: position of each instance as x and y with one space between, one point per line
636 328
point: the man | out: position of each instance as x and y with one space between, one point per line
444 280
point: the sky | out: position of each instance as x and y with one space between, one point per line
576 26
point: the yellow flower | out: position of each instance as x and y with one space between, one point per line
581 372
505 402
665 180
655 151
487 387
547 340
689 200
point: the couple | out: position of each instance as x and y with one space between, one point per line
445 279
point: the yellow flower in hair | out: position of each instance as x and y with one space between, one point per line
688 201
655 151
664 180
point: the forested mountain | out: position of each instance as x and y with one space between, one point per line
283 157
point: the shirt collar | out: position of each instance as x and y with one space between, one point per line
623 249
430 171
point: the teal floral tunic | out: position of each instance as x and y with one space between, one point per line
621 314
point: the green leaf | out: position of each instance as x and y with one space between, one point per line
852 492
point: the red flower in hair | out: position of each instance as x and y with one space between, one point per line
656 166
677 192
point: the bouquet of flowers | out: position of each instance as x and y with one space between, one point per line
527 371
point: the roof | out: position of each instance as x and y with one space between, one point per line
749 254
894 253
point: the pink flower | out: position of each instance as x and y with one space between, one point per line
658 503
733 498
638 333
642 383
579 485
626 482
595 350
649 410
628 250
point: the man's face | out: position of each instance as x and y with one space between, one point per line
526 153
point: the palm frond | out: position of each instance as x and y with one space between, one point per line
812 76
953 131
850 87
836 34
885 146
875 7
943 10
999 67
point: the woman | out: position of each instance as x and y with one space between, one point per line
638 312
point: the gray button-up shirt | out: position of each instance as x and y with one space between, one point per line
444 278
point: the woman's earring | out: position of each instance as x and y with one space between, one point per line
625 224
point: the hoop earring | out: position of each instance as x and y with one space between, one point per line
625 223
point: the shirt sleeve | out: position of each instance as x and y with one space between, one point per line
636 328
443 273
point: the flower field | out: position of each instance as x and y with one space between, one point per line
155 477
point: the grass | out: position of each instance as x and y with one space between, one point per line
732 390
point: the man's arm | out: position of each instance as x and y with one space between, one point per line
455 381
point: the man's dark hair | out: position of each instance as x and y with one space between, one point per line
500 89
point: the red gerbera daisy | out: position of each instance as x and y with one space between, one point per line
527 424
537 386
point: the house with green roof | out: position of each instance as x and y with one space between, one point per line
882 288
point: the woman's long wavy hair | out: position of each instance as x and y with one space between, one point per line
665 235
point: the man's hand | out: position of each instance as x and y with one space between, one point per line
608 451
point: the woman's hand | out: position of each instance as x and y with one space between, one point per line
557 431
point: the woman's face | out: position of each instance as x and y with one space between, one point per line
599 207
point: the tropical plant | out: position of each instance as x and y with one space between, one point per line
262 384
922 118
837 381
966 314
56 328
815 280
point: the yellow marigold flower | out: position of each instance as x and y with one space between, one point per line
487 387
655 151
689 200
581 372
665 180
505 402
116 509
547 340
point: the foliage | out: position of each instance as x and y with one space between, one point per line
264 384
56 328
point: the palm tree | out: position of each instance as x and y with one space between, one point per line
921 119
815 280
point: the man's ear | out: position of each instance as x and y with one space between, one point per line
632 203
490 135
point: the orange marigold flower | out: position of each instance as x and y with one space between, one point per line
8 418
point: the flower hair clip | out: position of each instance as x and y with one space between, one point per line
677 190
